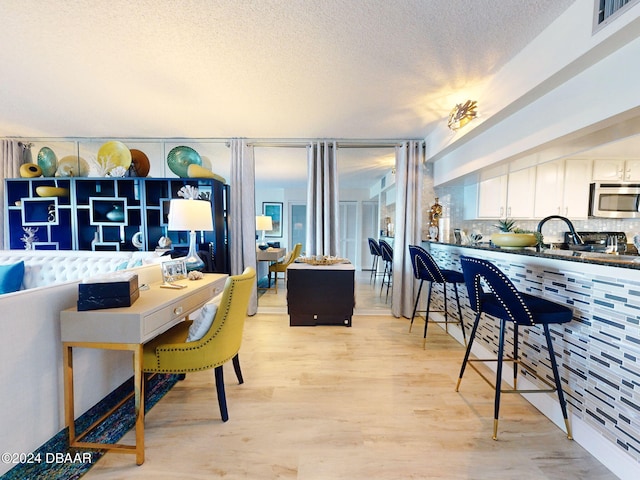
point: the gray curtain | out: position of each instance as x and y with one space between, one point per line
409 160
11 157
242 228
322 199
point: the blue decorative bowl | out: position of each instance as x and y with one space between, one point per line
180 158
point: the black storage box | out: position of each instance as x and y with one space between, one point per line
108 292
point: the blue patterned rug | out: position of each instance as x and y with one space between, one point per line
56 461
263 283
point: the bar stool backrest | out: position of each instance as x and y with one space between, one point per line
374 248
387 251
476 271
424 266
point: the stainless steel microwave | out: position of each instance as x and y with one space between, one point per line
614 200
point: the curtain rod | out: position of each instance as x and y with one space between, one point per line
342 143
255 142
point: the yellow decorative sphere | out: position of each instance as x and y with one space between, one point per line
30 170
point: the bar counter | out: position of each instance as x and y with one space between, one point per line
597 352
594 258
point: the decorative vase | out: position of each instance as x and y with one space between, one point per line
116 215
180 158
47 161
30 170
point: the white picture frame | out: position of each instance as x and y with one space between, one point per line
173 270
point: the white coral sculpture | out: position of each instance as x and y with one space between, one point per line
102 165
189 192
118 171
29 237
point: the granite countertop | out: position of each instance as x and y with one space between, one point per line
596 258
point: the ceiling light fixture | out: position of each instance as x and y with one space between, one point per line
462 114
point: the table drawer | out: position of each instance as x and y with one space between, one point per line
172 313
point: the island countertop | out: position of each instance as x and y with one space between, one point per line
595 258
599 351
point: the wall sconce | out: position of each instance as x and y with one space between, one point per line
462 114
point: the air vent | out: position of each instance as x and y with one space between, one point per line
608 10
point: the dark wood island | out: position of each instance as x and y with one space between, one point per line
320 294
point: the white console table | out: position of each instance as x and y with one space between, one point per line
128 328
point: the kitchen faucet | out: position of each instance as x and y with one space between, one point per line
577 239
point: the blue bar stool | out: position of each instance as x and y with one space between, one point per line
387 257
504 302
426 269
376 253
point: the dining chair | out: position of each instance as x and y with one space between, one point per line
170 352
426 269
282 266
503 301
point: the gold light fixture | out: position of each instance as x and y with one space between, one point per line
462 114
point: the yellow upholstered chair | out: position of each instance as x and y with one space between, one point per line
171 353
282 266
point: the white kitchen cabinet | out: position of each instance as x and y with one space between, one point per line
507 195
562 188
632 171
575 200
520 193
549 189
492 197
616 170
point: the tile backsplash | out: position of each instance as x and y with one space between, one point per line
452 200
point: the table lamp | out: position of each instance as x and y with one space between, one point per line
191 215
264 223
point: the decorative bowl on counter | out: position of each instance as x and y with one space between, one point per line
514 240
46 191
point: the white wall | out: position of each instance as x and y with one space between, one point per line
565 81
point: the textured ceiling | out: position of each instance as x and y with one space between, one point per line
261 69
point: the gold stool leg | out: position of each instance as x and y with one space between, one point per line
568 426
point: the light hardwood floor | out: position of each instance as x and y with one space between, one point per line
366 402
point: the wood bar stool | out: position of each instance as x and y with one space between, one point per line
503 301
426 269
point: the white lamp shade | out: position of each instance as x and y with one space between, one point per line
191 215
264 223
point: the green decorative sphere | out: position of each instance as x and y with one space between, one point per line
180 158
47 161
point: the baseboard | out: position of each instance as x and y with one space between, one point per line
612 457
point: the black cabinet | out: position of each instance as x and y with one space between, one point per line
320 294
110 214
